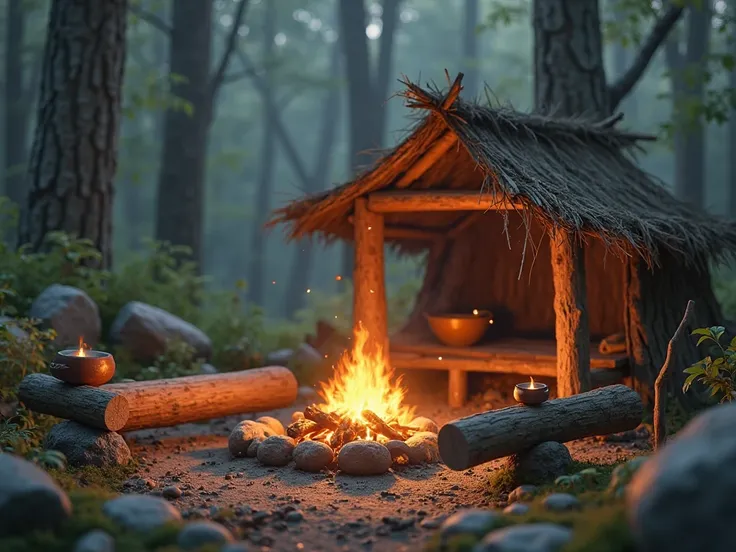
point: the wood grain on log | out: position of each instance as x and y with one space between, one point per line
494 434
302 427
91 406
169 402
323 419
431 201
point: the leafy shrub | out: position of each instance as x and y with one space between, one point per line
716 371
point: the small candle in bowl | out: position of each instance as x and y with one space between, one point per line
83 366
531 393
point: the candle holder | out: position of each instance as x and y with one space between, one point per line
83 367
531 393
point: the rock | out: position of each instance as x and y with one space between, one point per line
276 450
144 330
469 522
516 509
70 312
282 357
95 541
424 424
306 356
364 458
306 393
208 369
423 448
400 451
294 516
540 464
29 498
561 502
197 534
433 522
171 492
522 493
276 426
87 446
534 537
296 416
312 456
682 497
243 434
13 329
140 513
252 451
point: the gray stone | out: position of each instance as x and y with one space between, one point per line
87 446
433 522
208 369
540 464
171 492
469 522
236 547
534 537
312 456
364 458
516 509
424 424
243 434
196 534
522 493
252 451
561 502
70 312
294 516
276 426
276 450
29 498
144 331
423 448
282 357
95 541
400 451
141 513
682 498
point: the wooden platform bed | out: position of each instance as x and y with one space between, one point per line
526 357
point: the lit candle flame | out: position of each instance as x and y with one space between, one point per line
490 321
475 312
531 383
80 352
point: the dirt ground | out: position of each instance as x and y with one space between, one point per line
394 512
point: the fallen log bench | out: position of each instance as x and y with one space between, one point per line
487 436
137 405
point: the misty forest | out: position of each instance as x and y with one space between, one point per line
196 300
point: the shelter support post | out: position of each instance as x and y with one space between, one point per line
571 314
457 387
369 285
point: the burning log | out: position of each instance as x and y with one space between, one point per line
302 428
344 434
378 426
323 419
483 437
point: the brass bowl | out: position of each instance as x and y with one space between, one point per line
95 368
460 330
527 395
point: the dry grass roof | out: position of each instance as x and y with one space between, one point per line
566 172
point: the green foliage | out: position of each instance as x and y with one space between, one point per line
716 371
22 433
577 480
622 476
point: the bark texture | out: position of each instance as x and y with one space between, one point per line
74 154
494 434
170 402
91 406
571 314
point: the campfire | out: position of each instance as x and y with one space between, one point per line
362 401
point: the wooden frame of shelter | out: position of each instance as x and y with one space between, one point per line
563 196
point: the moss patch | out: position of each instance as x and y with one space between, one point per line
108 479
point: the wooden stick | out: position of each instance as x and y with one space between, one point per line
377 425
660 397
430 157
91 406
407 232
425 201
494 434
170 402
300 428
323 419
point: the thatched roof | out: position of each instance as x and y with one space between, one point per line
567 172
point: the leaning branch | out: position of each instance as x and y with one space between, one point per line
660 399
661 29
230 43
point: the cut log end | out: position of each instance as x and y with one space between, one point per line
117 413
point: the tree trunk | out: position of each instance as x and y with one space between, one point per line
16 104
74 155
268 154
301 268
732 135
569 77
180 201
471 82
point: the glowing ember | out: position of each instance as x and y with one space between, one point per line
364 381
475 312
81 351
531 383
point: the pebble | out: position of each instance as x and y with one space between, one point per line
294 516
252 451
522 493
364 458
95 541
296 416
197 534
534 537
516 509
140 513
423 448
469 522
276 426
276 450
400 451
243 434
312 456
561 502
171 492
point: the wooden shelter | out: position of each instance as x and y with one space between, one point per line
547 222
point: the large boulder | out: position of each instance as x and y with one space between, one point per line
87 446
140 513
29 498
684 497
145 330
540 464
70 312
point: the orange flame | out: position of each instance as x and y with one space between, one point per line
364 381
82 346
531 384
